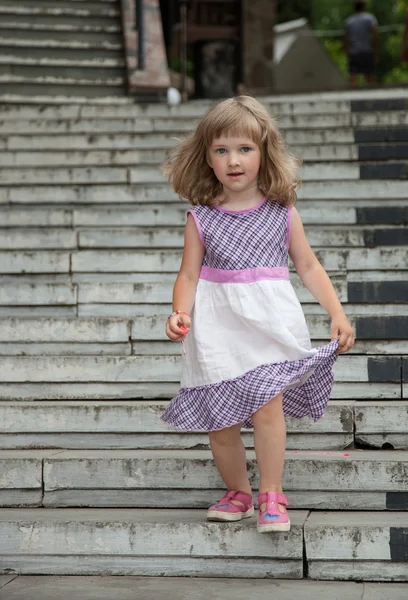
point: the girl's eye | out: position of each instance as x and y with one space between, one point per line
221 151
245 149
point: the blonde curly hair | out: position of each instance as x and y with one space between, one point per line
187 168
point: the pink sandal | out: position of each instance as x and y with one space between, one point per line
272 519
226 510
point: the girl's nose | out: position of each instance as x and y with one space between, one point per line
233 159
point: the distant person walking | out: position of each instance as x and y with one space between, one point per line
361 43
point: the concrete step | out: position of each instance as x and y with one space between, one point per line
358 211
61 53
147 325
317 194
50 37
43 62
146 174
58 7
335 480
160 237
153 370
83 390
136 425
62 89
25 17
376 334
357 546
179 588
341 144
328 153
61 71
144 543
158 261
97 478
179 124
41 46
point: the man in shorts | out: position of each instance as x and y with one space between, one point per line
361 43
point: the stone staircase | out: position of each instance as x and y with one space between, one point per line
91 241
61 48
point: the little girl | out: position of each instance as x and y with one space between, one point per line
249 359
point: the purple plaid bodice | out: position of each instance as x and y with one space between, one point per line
235 240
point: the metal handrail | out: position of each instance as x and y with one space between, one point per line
141 58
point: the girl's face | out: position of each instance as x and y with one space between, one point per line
235 161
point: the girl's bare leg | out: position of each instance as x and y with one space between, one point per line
229 454
270 441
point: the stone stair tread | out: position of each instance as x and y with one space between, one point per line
60 7
47 61
151 588
189 455
32 42
59 80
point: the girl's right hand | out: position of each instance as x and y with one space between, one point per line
173 331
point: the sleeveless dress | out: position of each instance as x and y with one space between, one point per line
248 340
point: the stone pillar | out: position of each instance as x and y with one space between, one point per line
258 20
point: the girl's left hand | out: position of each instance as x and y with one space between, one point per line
340 327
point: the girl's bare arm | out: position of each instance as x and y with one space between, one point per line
318 282
186 282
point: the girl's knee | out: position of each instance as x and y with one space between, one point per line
227 436
269 411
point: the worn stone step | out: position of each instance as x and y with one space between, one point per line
141 542
166 369
41 47
93 140
39 36
324 480
149 238
41 293
334 480
179 588
126 261
79 61
42 89
174 238
382 425
35 239
59 9
375 334
364 192
73 349
357 546
62 72
85 142
308 124
50 18
182 123
155 157
132 425
368 346
29 391
168 261
355 286
361 212
59 85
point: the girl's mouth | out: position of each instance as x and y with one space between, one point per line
234 174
